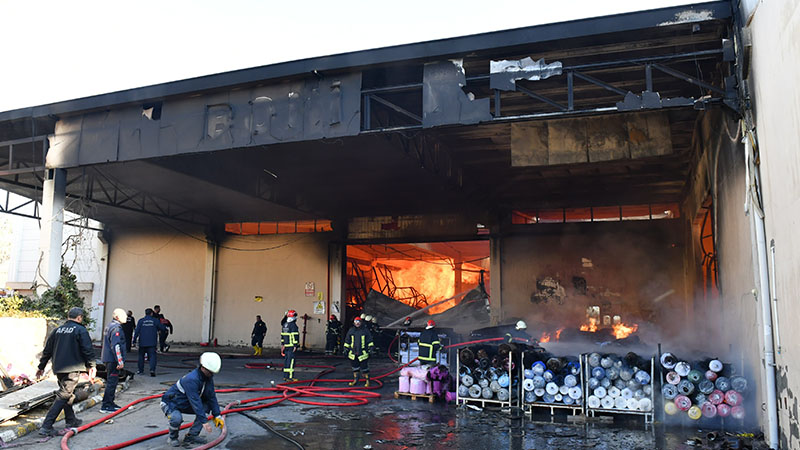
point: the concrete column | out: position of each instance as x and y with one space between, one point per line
209 288
52 229
335 279
496 278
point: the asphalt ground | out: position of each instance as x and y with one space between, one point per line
384 423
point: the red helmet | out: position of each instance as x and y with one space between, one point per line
291 313
333 317
431 323
357 319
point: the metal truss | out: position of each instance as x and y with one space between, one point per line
628 101
23 156
102 189
20 206
98 188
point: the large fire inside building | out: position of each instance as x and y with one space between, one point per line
562 204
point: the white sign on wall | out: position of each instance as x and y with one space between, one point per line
319 307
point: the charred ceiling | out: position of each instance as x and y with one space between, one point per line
593 112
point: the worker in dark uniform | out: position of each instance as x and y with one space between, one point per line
333 333
193 394
70 348
113 357
290 337
128 326
163 333
257 336
429 344
519 333
357 345
147 334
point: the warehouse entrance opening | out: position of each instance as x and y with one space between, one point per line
401 278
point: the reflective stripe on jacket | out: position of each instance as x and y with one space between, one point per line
429 344
290 335
358 342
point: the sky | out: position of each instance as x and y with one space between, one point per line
61 50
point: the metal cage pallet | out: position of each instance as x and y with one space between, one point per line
529 407
592 412
512 399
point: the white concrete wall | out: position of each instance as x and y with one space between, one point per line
149 267
279 276
162 267
84 253
775 31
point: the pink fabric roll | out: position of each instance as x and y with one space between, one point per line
418 386
436 387
418 372
428 387
405 385
405 372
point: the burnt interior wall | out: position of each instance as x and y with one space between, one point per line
621 266
731 322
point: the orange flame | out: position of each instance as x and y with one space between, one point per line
622 331
545 338
591 326
435 280
558 333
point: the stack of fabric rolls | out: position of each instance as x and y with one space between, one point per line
552 380
705 388
619 383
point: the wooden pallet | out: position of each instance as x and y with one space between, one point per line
431 398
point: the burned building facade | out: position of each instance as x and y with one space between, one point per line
589 176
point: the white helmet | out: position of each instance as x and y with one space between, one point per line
363 315
120 314
374 320
521 325
211 361
367 318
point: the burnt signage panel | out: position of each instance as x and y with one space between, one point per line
314 108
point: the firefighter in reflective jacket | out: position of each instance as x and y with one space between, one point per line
429 343
357 344
290 337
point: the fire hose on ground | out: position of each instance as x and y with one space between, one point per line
288 391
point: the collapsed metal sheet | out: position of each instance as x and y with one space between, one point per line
308 109
443 100
504 74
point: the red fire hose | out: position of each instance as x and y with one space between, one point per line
288 391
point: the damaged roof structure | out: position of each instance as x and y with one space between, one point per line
461 117
563 145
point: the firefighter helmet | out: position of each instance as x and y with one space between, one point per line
430 324
211 361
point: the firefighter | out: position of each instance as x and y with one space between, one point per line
70 348
193 394
429 344
519 333
358 343
113 356
290 337
333 333
257 336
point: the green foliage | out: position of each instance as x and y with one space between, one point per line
54 302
